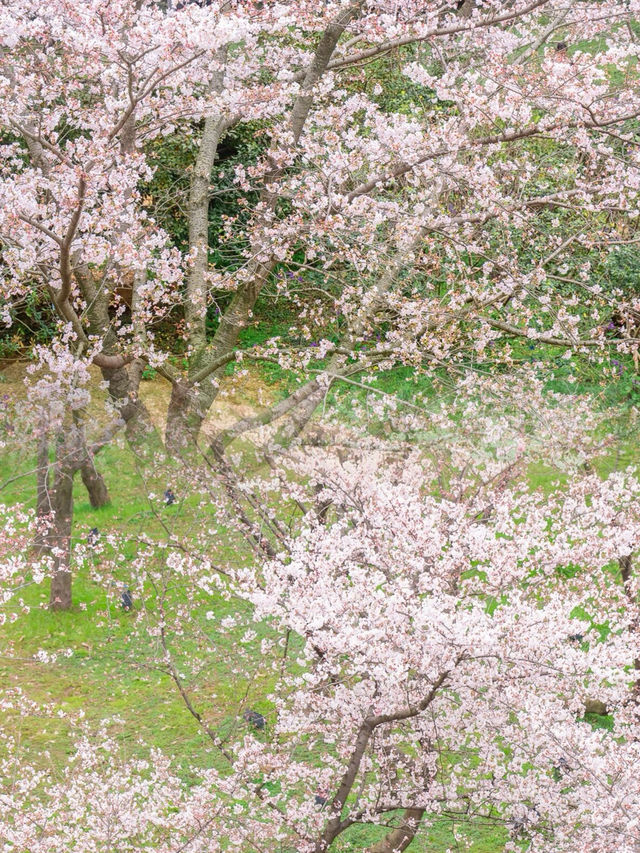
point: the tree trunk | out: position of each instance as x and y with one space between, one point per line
401 837
59 540
198 215
183 420
43 501
626 570
188 411
95 485
124 393
188 406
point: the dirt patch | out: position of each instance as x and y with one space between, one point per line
242 394
226 410
12 375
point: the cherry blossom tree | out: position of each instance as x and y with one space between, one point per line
415 231
429 655
59 393
424 232
430 627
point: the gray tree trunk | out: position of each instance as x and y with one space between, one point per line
189 406
95 485
43 504
59 539
399 839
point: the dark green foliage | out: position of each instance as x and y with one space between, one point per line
167 194
33 322
622 269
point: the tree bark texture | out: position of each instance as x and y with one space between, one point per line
59 539
95 485
188 411
401 837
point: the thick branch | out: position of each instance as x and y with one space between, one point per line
412 710
438 32
335 825
539 338
319 65
198 214
401 837
66 275
226 436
